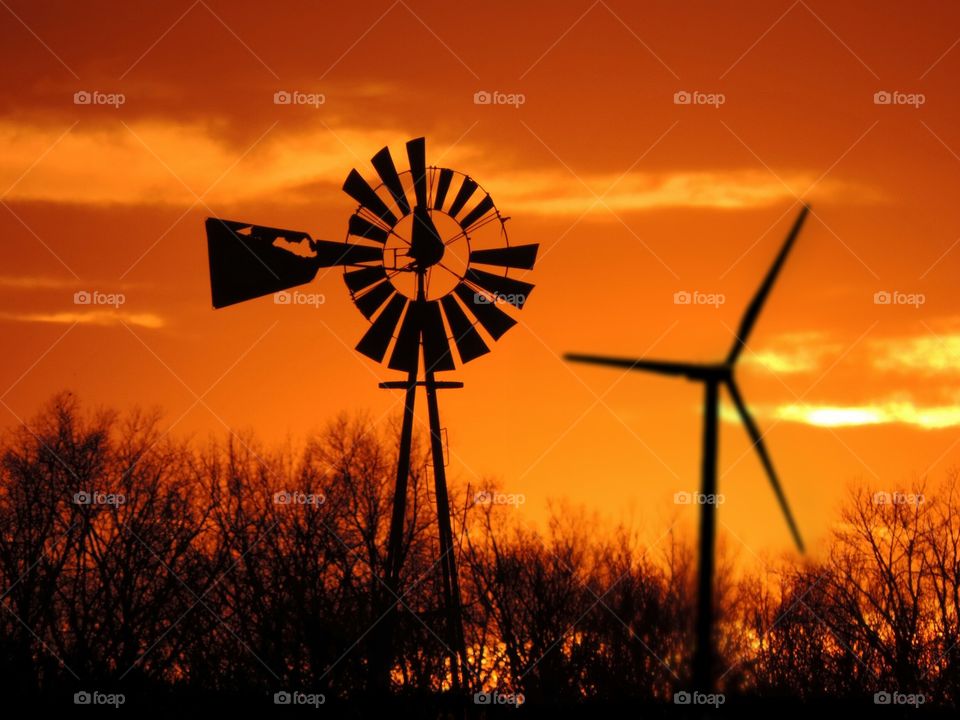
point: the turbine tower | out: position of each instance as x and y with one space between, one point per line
713 376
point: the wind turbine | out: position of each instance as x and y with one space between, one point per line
713 376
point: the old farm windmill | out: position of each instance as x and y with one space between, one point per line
713 376
427 261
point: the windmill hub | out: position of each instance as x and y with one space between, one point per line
426 245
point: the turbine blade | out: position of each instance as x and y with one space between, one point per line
417 155
361 227
377 338
357 188
513 291
443 185
761 449
481 209
756 305
466 190
357 280
515 256
494 320
371 301
406 351
245 263
383 163
469 343
690 370
436 347
330 253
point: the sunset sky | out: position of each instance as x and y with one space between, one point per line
632 197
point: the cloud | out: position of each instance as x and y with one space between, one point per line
166 162
884 413
929 354
101 318
793 353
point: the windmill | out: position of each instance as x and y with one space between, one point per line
428 262
713 376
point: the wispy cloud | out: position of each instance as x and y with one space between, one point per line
928 354
165 163
793 353
102 318
893 412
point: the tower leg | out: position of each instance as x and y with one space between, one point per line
704 657
448 557
383 652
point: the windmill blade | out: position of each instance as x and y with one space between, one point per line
761 449
417 155
245 263
482 208
515 256
406 351
336 253
436 348
469 343
377 338
689 370
371 301
756 305
383 163
513 291
463 195
357 280
357 188
361 227
443 185
494 320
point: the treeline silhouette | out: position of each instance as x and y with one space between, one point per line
133 560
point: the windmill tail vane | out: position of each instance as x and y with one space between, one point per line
428 262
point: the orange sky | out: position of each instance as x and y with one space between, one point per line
631 196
